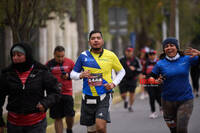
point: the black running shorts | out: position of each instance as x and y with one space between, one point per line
101 110
64 108
127 88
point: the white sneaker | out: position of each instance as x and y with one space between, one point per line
146 95
153 115
142 96
161 113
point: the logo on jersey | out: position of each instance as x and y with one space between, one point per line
106 60
88 60
100 114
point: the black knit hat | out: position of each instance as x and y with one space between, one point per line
170 40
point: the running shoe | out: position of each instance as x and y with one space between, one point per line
146 95
142 96
130 109
125 104
161 113
153 115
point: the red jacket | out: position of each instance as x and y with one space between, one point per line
56 70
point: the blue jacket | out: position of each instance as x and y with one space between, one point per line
176 86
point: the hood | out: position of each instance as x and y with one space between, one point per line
22 67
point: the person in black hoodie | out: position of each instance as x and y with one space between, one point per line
132 67
25 82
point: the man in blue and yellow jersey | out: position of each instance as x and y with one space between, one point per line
95 67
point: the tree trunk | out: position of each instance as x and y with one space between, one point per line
80 27
142 37
43 45
8 44
2 50
96 15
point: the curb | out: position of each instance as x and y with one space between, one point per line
116 99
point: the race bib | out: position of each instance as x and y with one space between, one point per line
95 79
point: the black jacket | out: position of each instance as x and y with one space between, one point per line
149 66
23 99
131 76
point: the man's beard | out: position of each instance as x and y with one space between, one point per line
96 49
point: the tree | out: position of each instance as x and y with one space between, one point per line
80 26
20 16
25 15
144 18
195 39
96 14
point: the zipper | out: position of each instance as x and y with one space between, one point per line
23 87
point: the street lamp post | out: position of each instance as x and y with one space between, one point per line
90 16
164 24
177 20
172 18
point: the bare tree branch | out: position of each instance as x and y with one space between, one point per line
8 14
34 12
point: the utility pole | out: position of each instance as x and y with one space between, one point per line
164 24
90 16
164 30
172 18
177 20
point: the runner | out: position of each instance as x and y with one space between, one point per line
95 66
60 67
132 67
173 70
143 56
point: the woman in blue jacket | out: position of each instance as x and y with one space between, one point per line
172 70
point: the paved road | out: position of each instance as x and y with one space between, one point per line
138 121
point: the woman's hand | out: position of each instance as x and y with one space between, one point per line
192 52
160 79
40 107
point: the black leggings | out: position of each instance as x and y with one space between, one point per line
195 77
177 115
154 95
